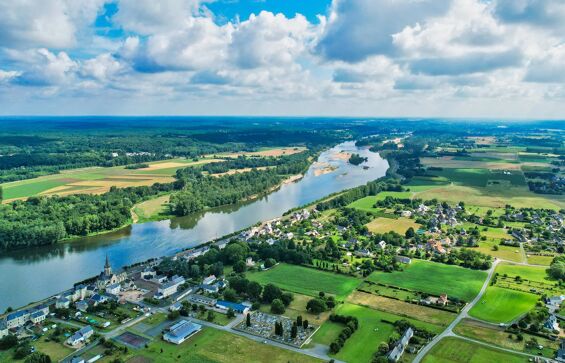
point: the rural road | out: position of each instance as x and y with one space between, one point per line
463 314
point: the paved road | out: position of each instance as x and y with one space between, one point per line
463 314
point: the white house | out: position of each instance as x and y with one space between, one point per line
80 336
113 289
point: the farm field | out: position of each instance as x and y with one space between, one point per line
509 253
497 336
265 152
455 350
97 180
539 260
435 278
151 209
500 305
532 273
361 346
307 281
383 225
401 308
212 345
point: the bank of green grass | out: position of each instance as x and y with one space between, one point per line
307 281
215 346
434 278
532 273
455 350
363 344
153 209
500 305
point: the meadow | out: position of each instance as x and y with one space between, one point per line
97 180
383 225
434 278
450 350
372 330
500 305
532 273
307 281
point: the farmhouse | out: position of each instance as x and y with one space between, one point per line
181 331
80 336
396 353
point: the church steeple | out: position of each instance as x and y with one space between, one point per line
107 267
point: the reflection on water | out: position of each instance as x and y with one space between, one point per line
37 273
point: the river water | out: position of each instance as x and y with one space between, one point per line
33 274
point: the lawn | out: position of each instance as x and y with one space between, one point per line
215 346
361 346
435 278
500 305
497 336
509 253
401 308
540 260
307 281
383 225
455 350
532 273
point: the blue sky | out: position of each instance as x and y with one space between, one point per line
452 58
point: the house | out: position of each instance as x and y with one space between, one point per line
17 318
435 246
403 259
113 289
210 288
551 323
561 352
169 288
181 331
396 353
98 299
381 245
363 253
554 302
201 300
226 305
81 306
3 329
406 213
77 360
175 307
442 299
249 262
62 303
80 336
209 280
38 316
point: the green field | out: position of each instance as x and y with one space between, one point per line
454 350
215 346
383 225
435 278
367 203
540 260
97 179
497 336
499 305
307 281
532 273
361 346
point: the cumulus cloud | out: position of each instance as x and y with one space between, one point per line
549 67
544 13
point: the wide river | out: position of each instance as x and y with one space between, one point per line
33 274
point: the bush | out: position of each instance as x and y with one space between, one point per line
277 307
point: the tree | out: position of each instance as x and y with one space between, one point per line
211 316
305 324
239 266
299 320
230 295
248 320
1 194
287 298
270 262
293 331
271 292
8 342
316 306
254 290
410 233
173 315
231 313
277 306
38 357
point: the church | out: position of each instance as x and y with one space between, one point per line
108 278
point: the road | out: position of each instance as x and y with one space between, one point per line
462 315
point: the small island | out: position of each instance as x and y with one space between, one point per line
357 159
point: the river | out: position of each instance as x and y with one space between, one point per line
33 274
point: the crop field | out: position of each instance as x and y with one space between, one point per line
97 180
500 305
487 333
452 162
455 350
434 278
151 209
275 151
307 281
362 345
401 308
400 225
212 345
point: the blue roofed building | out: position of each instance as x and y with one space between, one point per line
226 305
181 331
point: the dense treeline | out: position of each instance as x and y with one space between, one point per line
47 220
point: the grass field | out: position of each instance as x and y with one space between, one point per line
152 209
539 260
435 278
97 180
361 346
400 225
455 350
307 281
401 308
497 336
500 305
532 273
215 346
